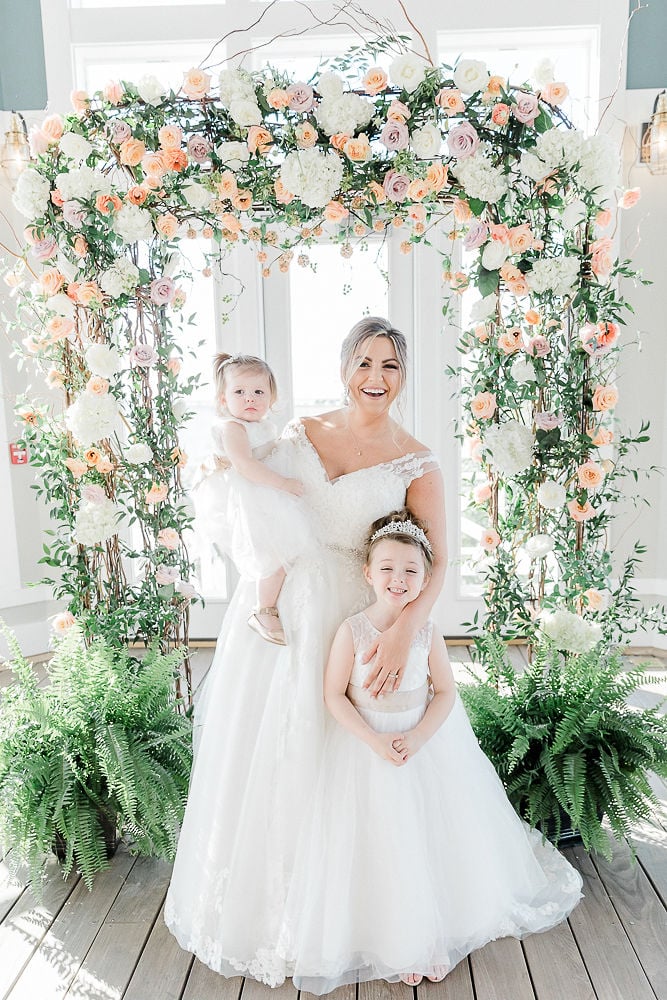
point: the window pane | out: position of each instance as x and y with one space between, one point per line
324 304
95 65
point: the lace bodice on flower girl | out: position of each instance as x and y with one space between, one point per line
364 634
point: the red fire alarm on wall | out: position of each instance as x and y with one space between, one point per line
18 454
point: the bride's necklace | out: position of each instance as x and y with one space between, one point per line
357 443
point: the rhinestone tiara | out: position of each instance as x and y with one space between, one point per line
403 528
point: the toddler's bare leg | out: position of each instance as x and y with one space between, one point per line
265 619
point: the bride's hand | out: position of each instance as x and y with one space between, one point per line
391 654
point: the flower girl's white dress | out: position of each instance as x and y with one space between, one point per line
259 527
403 869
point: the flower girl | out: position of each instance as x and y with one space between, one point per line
245 504
412 855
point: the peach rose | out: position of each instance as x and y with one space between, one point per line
605 397
398 112
509 341
92 456
242 200
282 194
196 84
481 332
520 238
175 159
179 457
51 281
278 99
136 195
63 622
158 493
490 539
169 538
306 135
603 436
170 137
259 140
113 92
500 115
57 198
76 467
59 327
595 600
378 192
450 100
335 212
417 190
483 405
97 385
338 140
375 81
174 365
89 294
80 246
482 493
226 186
603 218
495 85
73 291
167 225
154 164
80 100
462 210
107 203
53 128
554 93
436 176
358 150
532 317
628 199
581 512
602 259
230 222
132 151
500 233
417 212
590 475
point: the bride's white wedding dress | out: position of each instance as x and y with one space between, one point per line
260 725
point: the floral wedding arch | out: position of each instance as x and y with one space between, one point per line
267 160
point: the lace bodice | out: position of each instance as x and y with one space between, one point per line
261 434
364 634
344 508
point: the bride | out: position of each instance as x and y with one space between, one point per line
259 727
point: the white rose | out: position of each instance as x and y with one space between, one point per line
233 154
544 73
102 360
151 90
133 223
426 142
196 196
483 308
138 454
75 146
245 113
532 166
523 371
32 193
573 214
470 76
494 255
551 494
180 407
330 85
407 71
67 267
538 546
62 305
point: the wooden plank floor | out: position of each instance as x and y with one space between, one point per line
112 944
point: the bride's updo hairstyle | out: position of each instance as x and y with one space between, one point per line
228 364
367 329
400 526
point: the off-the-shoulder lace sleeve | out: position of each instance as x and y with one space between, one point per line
414 466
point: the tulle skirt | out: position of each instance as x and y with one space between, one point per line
402 869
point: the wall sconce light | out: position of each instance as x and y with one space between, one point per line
654 137
15 150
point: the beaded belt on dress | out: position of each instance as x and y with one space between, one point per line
397 701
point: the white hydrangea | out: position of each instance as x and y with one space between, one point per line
235 85
91 418
471 75
197 196
599 165
568 631
138 454
151 90
120 279
245 113
312 176
102 360
95 522
523 371
75 146
533 167
483 308
407 71
426 142
233 154
551 495
480 178
330 85
133 223
494 255
554 274
345 113
81 183
511 447
538 546
555 148
32 193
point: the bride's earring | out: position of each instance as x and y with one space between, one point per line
346 396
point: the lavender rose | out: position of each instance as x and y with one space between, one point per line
166 575
73 214
396 186
143 355
120 131
199 148
300 97
547 421
526 109
463 140
476 235
162 290
395 135
45 249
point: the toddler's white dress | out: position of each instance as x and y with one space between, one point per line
261 528
402 869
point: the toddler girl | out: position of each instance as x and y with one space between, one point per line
412 855
246 505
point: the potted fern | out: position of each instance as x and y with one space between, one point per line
566 744
100 748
